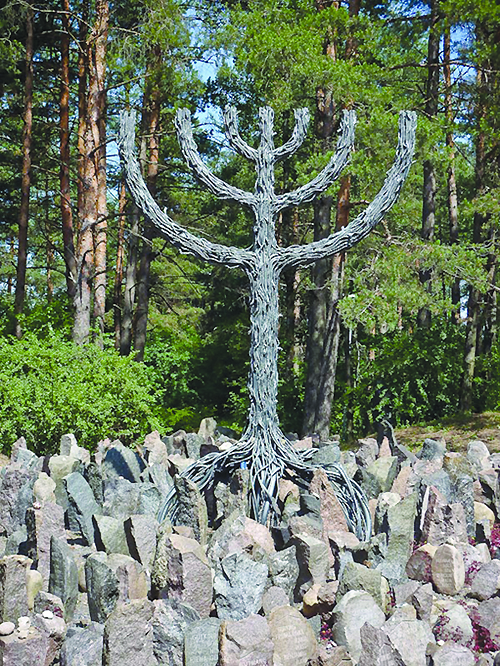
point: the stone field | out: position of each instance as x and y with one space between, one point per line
88 577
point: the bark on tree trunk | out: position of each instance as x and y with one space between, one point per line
22 247
64 152
429 188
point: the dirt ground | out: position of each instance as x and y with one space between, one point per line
457 432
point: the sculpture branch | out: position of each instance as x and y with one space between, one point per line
233 135
360 227
298 135
329 174
189 149
180 238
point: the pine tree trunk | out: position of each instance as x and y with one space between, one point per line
64 152
22 247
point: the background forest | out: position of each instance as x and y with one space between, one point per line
107 331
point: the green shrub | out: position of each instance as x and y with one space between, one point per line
51 386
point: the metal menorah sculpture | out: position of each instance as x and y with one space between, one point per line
263 447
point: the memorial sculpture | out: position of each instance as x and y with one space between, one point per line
263 448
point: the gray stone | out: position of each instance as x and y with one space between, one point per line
432 449
245 642
294 640
367 451
489 617
441 521
193 443
403 592
377 648
419 565
170 622
232 495
187 577
121 498
128 635
349 615
140 532
83 646
192 509
400 521
41 525
422 601
451 654
155 450
13 587
456 625
31 651
43 489
201 642
379 476
45 601
17 542
63 579
207 428
358 577
239 585
150 499
112 580
284 570
120 461
16 495
486 582
93 475
327 455
448 571
81 506
410 637
53 628
274 597
313 560
479 455
66 443
109 535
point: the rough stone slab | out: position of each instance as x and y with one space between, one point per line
284 570
350 614
63 578
246 642
410 638
41 525
16 495
43 488
13 587
377 648
109 535
192 508
331 513
379 476
313 560
489 617
419 566
140 533
128 635
486 582
239 586
294 640
201 642
358 577
120 461
451 654
32 651
170 622
83 646
81 506
401 524
448 571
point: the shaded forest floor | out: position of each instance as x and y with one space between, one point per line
457 431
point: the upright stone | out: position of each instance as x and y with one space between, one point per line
13 587
81 506
109 535
122 461
377 648
66 443
350 614
42 524
358 577
401 521
192 509
246 642
16 495
451 654
293 637
410 637
201 642
171 620
239 585
448 572
63 579
83 646
30 651
140 533
128 635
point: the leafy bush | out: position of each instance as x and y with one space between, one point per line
51 386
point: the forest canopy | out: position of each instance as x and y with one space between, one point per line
108 331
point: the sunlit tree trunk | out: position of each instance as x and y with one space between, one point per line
22 247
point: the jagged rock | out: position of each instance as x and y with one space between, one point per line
245 642
13 587
451 654
486 582
31 650
358 577
187 576
16 495
128 635
192 508
170 622
330 510
489 617
419 566
422 600
43 489
239 584
83 645
406 482
112 580
63 579
432 449
313 560
201 642
367 451
454 623
379 476
479 455
403 592
45 601
326 455
350 614
377 648
410 637
382 504
41 524
93 476
448 572
284 570
120 461
109 535
400 520
140 533
53 628
274 597
240 534
440 521
232 495
81 506
286 622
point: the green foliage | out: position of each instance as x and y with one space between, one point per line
51 386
